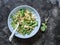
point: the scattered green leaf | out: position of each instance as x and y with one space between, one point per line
44 25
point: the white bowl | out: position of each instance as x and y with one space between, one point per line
37 18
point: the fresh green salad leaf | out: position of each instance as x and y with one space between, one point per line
44 25
43 28
22 12
13 24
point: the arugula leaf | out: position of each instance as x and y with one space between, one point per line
22 12
44 25
13 24
43 28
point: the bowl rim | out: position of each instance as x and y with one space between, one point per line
24 6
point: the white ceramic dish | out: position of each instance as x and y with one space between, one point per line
37 18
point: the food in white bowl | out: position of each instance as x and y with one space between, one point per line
29 21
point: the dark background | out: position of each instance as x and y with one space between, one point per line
52 34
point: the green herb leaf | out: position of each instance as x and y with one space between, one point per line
22 12
13 24
43 28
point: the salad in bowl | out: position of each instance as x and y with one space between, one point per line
28 18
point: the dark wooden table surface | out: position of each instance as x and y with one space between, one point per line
52 34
